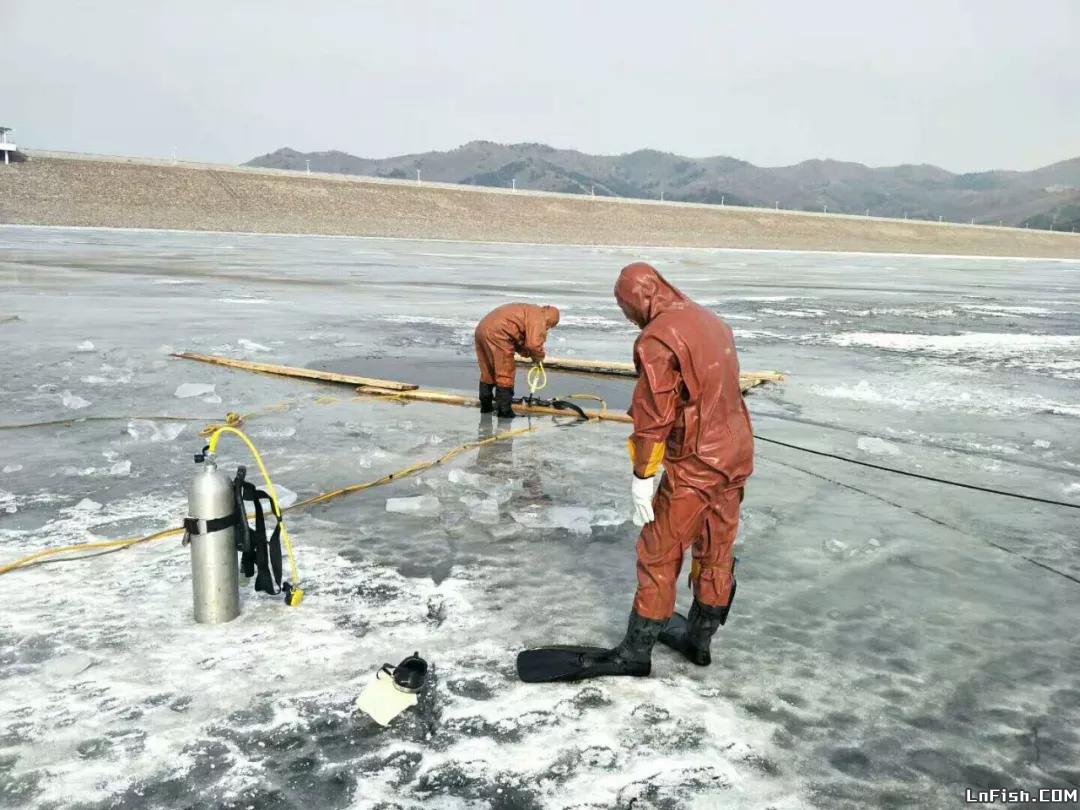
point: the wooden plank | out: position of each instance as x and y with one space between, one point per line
293 371
614 368
411 392
752 379
427 395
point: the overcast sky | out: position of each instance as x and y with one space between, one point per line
968 85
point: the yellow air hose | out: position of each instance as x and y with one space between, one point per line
412 469
537 378
297 595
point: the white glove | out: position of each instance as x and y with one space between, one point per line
642 490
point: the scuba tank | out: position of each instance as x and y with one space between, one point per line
211 532
224 545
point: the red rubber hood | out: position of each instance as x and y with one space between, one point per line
643 294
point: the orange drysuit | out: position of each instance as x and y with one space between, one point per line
520 328
689 415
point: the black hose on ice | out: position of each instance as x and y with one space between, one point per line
920 476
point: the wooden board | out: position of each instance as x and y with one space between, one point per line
610 367
408 392
293 371
427 395
752 379
614 368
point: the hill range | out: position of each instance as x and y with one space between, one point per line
1046 198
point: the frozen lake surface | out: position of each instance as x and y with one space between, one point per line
893 641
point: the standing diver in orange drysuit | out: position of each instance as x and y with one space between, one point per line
520 328
689 415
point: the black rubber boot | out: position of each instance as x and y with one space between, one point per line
632 657
504 398
487 397
690 635
635 650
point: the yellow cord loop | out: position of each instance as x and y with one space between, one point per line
235 420
232 419
537 378
297 591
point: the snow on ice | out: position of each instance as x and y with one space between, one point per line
890 640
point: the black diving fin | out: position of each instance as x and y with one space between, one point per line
566 663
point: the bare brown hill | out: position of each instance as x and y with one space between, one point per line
913 191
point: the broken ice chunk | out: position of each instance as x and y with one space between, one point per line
877 447
70 470
12 468
109 376
270 432
121 468
188 390
252 346
501 531
417 505
504 491
486 511
146 430
85 346
575 519
607 517
73 401
836 547
467 478
285 496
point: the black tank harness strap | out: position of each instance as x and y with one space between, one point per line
260 556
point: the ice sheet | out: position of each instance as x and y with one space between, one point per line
885 648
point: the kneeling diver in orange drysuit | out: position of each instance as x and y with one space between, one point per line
511 328
689 416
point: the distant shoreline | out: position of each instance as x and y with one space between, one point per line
489 243
62 189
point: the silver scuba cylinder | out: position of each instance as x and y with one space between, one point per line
215 572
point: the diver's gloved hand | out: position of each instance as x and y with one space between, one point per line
642 490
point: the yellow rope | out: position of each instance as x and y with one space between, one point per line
327 496
52 552
233 421
414 468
